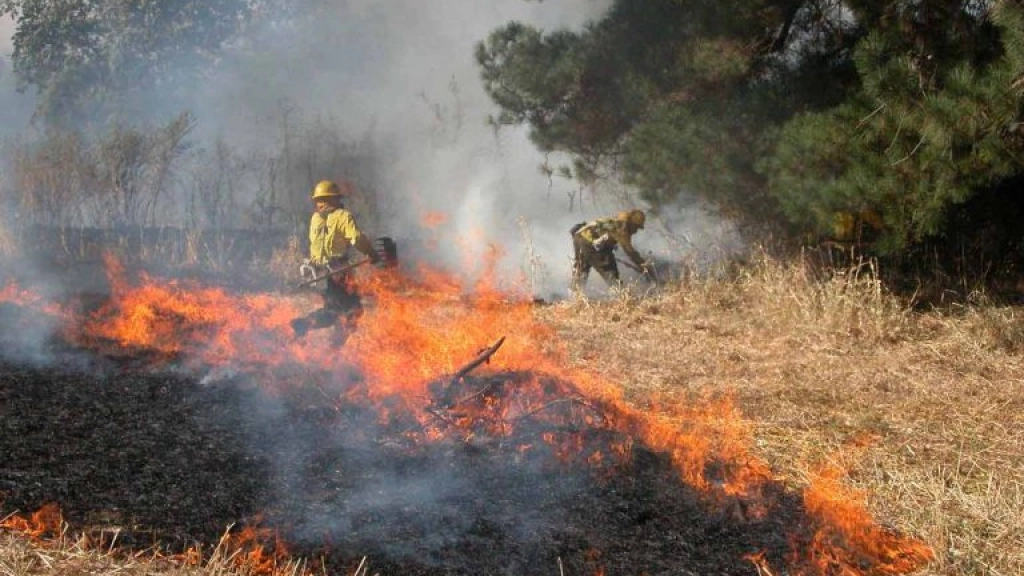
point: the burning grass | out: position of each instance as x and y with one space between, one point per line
60 553
920 410
698 430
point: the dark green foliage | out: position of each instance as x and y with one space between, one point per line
927 130
677 93
534 80
678 149
787 113
86 58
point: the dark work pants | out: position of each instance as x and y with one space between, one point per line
586 257
341 308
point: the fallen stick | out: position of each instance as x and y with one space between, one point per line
446 400
484 356
441 417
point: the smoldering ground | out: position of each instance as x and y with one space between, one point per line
505 471
183 460
162 459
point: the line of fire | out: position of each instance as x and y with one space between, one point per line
449 434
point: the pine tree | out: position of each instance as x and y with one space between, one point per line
799 115
929 127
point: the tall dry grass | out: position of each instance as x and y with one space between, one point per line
85 554
924 409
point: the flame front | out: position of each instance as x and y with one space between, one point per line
188 322
15 295
848 537
414 332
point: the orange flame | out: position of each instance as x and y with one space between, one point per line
848 537
45 522
258 551
415 332
208 324
13 294
434 220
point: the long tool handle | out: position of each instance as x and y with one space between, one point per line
333 272
651 274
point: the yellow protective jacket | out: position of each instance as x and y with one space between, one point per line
330 235
610 232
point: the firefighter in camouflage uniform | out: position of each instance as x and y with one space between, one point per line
594 246
332 230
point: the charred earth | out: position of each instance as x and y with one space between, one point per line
170 461
484 471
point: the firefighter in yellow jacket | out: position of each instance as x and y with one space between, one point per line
332 230
594 246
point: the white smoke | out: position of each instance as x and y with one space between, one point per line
405 70
403 73
6 35
15 108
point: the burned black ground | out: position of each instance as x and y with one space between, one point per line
173 458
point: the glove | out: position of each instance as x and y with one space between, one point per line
306 269
601 242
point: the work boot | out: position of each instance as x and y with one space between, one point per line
300 326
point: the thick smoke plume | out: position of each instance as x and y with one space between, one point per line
394 89
403 73
453 191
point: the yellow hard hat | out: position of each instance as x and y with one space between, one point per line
634 217
326 189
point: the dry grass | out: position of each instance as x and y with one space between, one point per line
923 409
21 557
281 265
62 555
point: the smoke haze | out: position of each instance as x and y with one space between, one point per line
400 79
404 72
15 109
453 192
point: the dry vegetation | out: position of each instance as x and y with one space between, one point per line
157 176
923 409
81 556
